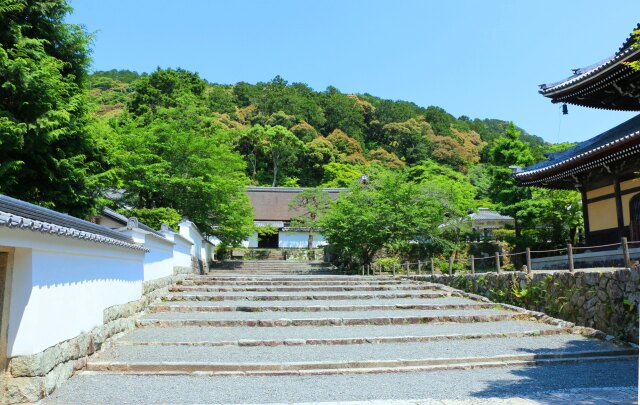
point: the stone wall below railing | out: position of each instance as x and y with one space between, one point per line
606 300
33 377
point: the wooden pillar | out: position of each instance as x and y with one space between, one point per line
498 269
419 268
625 253
432 267
585 215
473 265
528 255
619 209
570 257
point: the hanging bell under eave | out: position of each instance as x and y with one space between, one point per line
565 109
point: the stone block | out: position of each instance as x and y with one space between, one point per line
25 389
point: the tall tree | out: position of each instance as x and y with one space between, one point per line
282 146
47 155
311 204
389 212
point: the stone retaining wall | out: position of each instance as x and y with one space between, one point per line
33 377
606 300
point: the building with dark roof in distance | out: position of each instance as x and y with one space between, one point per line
605 168
271 209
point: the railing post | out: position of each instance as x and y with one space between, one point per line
570 257
419 268
394 269
432 267
473 265
528 256
625 252
362 269
498 269
407 265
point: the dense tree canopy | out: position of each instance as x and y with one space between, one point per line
47 154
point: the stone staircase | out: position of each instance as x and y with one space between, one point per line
291 338
273 267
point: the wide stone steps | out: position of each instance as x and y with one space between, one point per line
293 359
319 296
315 331
251 336
273 267
394 287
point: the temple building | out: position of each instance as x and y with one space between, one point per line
271 209
606 168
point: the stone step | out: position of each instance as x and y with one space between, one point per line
568 383
334 288
296 297
284 277
363 282
250 336
197 306
294 319
223 359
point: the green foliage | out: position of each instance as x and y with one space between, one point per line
46 154
311 205
154 217
389 212
387 263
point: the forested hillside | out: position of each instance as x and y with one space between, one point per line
328 137
178 142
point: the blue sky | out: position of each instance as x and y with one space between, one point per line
483 59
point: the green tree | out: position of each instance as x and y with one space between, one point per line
47 155
282 146
163 88
176 161
311 204
389 212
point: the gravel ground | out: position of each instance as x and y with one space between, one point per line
321 315
399 301
389 351
206 334
526 382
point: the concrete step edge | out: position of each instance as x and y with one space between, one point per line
202 288
163 307
407 320
505 360
352 340
203 297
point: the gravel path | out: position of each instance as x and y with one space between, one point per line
388 351
204 334
320 315
470 385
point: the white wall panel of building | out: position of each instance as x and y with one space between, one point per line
288 240
61 286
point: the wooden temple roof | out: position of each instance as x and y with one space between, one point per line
609 84
561 168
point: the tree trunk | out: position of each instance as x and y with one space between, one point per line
310 240
275 171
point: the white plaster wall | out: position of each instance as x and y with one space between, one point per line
61 287
182 253
299 240
252 242
158 262
189 231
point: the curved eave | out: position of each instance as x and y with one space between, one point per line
615 150
13 221
594 78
